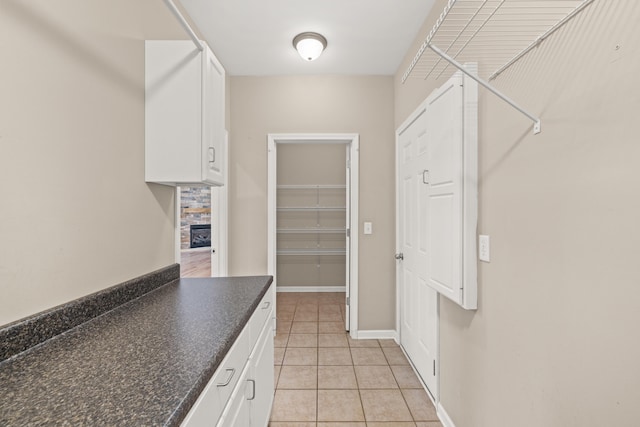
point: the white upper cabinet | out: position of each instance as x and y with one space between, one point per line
184 114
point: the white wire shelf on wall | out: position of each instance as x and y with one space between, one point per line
311 252
496 32
499 32
317 230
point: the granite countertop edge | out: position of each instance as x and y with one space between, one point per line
192 396
223 320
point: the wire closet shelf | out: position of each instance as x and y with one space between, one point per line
499 32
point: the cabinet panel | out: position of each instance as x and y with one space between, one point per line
184 114
238 412
262 375
213 399
213 120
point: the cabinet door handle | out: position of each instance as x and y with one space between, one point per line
266 305
212 154
253 388
425 176
226 383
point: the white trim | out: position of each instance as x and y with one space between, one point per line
310 289
380 334
445 419
352 140
354 158
223 212
176 228
470 201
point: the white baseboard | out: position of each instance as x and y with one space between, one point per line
311 289
381 334
445 419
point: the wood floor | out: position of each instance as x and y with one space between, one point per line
195 263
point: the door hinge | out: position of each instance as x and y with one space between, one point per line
348 300
434 368
348 232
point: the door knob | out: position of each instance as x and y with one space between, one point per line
400 256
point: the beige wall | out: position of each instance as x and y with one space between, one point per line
76 215
294 104
554 340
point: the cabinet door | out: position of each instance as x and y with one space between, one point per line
173 110
262 375
238 413
213 126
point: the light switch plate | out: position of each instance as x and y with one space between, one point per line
484 248
368 228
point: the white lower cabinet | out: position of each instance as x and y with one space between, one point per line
240 392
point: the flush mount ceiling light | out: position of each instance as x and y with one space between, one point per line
309 45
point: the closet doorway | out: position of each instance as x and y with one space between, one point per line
313 215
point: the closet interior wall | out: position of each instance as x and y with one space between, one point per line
311 216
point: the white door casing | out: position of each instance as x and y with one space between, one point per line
351 141
347 181
219 218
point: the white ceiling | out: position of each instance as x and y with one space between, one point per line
254 37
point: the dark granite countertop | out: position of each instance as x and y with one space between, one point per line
142 364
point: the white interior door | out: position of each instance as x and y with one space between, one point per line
418 301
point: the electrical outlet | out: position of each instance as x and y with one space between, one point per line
484 248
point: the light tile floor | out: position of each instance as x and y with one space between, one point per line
326 379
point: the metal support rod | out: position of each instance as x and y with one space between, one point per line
540 39
172 7
536 120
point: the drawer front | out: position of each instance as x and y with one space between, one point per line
263 312
238 412
228 373
209 406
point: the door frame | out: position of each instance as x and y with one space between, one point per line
352 141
